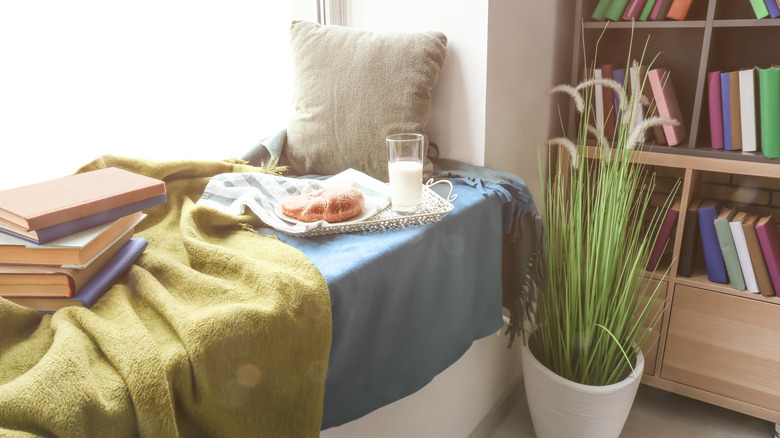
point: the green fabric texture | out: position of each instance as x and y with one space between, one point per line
353 88
215 331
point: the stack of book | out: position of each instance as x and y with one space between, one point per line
657 88
643 10
64 242
744 106
738 247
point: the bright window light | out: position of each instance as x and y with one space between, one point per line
158 79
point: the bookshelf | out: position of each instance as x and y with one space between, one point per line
715 344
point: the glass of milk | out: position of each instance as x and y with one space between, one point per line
405 164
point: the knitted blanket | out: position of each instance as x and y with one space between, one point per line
215 331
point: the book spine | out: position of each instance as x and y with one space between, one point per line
610 110
601 9
757 259
736 114
619 75
678 9
759 7
647 10
725 96
716 109
730 258
713 257
633 9
744 257
655 13
773 8
769 110
689 244
666 102
111 271
770 246
598 95
615 9
747 109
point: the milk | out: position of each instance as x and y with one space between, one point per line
405 184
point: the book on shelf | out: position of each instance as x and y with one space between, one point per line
725 100
600 12
48 234
690 247
713 257
664 235
734 111
647 92
636 73
715 109
740 243
747 110
666 102
610 110
54 281
727 248
74 250
647 10
769 110
757 256
97 286
633 9
678 9
773 8
660 10
615 9
769 240
759 8
619 75
64 199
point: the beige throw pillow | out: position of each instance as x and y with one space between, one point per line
351 89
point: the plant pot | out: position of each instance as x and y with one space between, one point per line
562 408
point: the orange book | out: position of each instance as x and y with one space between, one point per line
77 249
678 9
53 202
54 281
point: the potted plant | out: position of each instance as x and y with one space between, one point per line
593 311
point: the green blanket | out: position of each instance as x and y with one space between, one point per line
215 331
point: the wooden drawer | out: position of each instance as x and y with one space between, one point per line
724 344
650 350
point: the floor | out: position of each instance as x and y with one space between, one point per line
659 414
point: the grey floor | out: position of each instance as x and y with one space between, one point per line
657 414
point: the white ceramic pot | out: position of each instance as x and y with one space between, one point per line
561 408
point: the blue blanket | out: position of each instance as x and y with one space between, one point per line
407 303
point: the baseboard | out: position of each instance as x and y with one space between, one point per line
499 411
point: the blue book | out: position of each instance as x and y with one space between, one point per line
713 256
725 104
95 287
54 232
619 74
772 8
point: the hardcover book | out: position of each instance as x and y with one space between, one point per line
54 281
598 97
725 100
769 240
75 250
647 10
759 8
667 226
713 257
735 112
633 9
666 102
619 75
53 202
747 110
610 110
727 248
95 287
678 9
769 110
773 8
757 256
715 109
751 284
690 246
48 234
615 9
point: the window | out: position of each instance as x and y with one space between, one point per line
159 79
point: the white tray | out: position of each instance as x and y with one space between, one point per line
432 208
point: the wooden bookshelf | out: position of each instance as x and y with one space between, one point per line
715 343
